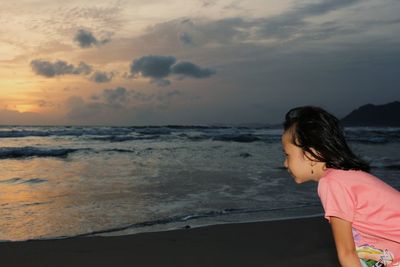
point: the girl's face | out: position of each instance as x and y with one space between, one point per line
297 164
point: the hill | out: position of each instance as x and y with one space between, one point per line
374 115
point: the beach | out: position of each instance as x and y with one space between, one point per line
60 181
134 186
291 242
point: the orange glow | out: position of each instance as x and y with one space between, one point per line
25 108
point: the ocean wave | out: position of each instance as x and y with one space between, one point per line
386 163
369 140
22 133
392 167
18 180
125 133
25 152
242 138
195 138
244 155
191 133
123 138
64 131
188 217
36 204
373 135
154 131
118 150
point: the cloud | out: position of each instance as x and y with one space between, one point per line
79 109
158 68
59 67
13 117
119 106
189 69
322 7
45 104
206 3
141 97
115 97
185 38
63 22
101 77
86 39
223 31
108 101
161 82
166 96
118 98
294 23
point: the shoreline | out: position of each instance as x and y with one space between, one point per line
164 225
299 242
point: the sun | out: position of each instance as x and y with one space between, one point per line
22 108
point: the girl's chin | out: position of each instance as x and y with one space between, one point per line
295 178
298 181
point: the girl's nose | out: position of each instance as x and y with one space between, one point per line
285 164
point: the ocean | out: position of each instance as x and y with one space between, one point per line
59 182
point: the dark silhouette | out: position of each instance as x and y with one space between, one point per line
374 115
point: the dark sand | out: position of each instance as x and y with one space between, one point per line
296 242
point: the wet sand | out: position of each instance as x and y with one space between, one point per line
294 242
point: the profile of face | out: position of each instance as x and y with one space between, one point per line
297 163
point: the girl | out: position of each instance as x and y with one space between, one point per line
364 212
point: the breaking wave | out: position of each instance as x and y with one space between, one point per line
26 152
189 217
18 180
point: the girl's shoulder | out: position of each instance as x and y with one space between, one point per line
346 175
356 180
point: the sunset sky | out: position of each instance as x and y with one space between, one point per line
152 62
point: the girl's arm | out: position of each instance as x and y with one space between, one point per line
346 249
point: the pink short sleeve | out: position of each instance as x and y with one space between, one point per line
336 200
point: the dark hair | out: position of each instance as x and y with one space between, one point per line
313 127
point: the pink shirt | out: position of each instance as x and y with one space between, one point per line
373 208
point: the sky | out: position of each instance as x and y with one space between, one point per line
193 62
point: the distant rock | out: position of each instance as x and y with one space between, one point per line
374 115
